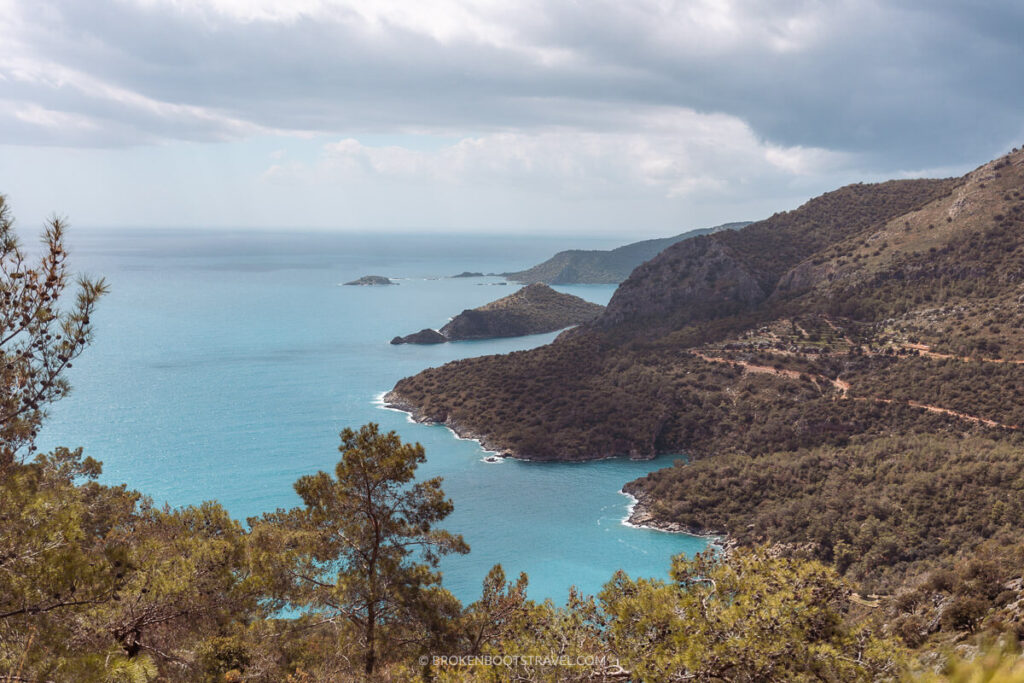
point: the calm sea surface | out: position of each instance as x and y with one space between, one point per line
226 363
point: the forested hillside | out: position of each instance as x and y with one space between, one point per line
824 371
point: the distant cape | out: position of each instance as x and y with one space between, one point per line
595 266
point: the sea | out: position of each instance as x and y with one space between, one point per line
225 363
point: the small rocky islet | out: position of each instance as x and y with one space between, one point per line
371 281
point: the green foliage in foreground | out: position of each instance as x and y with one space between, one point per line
746 617
96 584
347 556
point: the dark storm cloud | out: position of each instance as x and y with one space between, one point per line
899 84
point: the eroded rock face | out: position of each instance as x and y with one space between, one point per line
689 280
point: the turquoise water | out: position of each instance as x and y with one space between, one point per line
226 363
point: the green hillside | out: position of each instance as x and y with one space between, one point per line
796 362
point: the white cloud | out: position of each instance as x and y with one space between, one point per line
489 22
858 75
667 152
105 106
641 108
35 115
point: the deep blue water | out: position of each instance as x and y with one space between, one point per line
226 363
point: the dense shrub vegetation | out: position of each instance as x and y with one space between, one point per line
878 508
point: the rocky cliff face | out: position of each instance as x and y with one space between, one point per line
687 281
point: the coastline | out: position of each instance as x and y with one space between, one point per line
388 400
382 402
638 512
639 516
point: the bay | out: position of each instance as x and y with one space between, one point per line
226 362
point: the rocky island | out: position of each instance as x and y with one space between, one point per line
371 281
467 273
534 309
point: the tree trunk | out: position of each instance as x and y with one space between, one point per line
371 655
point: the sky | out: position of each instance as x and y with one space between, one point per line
593 117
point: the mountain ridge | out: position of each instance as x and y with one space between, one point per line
605 266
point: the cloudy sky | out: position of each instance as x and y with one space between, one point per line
602 117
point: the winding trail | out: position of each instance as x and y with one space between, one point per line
840 386
963 416
843 388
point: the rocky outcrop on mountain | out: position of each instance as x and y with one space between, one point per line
534 309
697 278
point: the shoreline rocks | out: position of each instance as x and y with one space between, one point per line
395 401
641 516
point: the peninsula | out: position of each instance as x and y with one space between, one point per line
534 309
600 267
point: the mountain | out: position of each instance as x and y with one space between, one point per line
534 309
595 266
846 378
632 373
